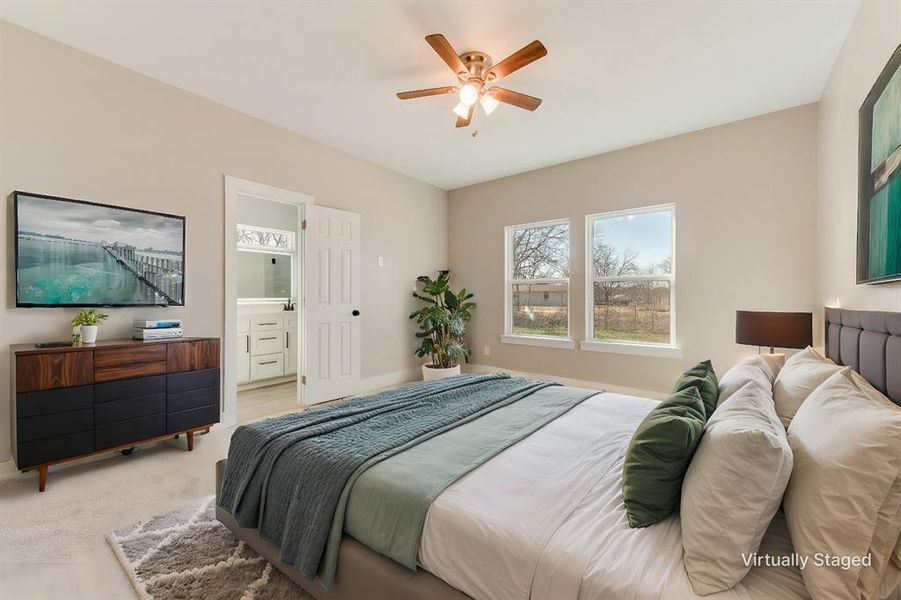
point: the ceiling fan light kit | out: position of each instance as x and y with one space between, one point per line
475 70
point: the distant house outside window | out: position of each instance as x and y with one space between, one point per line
537 294
631 276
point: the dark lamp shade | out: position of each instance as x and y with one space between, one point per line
774 329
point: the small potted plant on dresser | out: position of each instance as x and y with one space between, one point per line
442 323
87 321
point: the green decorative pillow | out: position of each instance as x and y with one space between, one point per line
658 456
703 378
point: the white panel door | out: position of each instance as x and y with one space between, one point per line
333 302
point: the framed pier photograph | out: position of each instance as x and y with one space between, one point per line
78 253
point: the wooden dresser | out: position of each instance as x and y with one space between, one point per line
72 402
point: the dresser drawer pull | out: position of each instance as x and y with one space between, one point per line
268 362
267 338
287 340
273 323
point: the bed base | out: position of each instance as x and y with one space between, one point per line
362 573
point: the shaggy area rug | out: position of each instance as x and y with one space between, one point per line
188 554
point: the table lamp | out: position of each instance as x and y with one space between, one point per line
773 329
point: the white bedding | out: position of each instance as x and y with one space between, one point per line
544 520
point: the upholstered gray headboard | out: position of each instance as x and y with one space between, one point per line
870 343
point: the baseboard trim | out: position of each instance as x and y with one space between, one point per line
581 383
8 470
255 385
371 384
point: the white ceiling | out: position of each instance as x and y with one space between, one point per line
617 73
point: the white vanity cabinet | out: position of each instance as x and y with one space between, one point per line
291 344
267 345
243 348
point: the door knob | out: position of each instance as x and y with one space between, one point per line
355 312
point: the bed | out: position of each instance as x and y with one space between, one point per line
541 515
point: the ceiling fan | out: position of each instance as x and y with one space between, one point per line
475 70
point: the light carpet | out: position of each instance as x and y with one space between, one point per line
187 553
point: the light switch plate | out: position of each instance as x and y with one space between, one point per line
486 350
381 260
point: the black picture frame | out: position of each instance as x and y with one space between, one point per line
20 304
867 177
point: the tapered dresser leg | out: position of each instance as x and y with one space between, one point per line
42 478
190 435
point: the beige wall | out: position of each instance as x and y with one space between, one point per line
874 36
74 125
745 196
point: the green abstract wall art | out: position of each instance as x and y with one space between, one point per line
879 192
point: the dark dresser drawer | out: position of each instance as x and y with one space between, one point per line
56 424
132 430
192 380
179 421
54 401
129 388
55 448
129 408
192 399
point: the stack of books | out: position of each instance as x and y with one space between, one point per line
156 329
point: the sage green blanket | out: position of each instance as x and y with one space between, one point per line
385 504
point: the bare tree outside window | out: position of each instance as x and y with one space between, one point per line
631 276
539 277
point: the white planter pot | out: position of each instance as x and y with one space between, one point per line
89 333
428 373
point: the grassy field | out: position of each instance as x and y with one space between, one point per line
631 336
556 331
625 323
634 323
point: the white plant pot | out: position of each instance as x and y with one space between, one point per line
429 373
89 333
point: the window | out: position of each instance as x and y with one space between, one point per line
251 237
537 289
631 279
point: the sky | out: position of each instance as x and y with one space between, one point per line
99 223
648 233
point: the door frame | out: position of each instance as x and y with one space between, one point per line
235 187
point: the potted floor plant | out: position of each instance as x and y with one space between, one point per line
87 322
442 324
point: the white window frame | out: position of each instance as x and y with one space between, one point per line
668 350
545 341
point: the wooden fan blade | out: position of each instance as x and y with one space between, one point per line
461 122
514 98
438 91
522 57
447 53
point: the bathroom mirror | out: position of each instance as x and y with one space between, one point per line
264 276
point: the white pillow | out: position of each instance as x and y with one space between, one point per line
800 376
774 361
844 496
733 488
753 368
